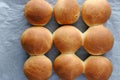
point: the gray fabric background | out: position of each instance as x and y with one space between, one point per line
13 23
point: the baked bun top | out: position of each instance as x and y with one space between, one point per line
96 12
98 68
38 12
67 11
37 40
68 66
67 39
38 68
98 40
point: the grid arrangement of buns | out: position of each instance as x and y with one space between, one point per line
97 40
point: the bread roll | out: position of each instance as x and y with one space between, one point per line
38 68
38 12
37 40
68 66
98 68
98 40
67 39
95 12
67 11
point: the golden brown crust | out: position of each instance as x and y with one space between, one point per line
38 12
67 11
98 68
67 39
98 40
38 68
68 66
95 12
37 40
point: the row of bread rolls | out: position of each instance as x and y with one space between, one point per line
68 40
37 41
69 67
96 40
94 12
39 12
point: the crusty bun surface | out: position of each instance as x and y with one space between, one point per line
68 39
98 40
37 40
38 68
38 12
68 66
95 12
98 68
67 11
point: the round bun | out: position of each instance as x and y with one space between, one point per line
37 40
38 12
98 68
98 40
38 68
68 66
95 12
67 11
67 39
